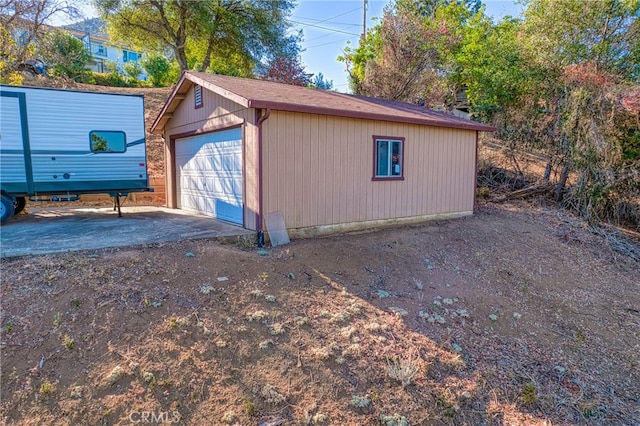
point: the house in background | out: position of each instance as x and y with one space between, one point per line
239 149
103 51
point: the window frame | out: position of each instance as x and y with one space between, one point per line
124 139
376 139
197 88
101 50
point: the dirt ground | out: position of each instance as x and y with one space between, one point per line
520 314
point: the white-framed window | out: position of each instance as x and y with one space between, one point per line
388 153
101 50
197 95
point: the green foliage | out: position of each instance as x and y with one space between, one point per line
570 32
133 69
157 68
65 54
108 79
47 388
8 47
563 81
319 82
410 55
491 65
529 394
201 32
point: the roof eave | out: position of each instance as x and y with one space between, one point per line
310 109
158 125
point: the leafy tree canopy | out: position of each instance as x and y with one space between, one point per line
203 33
26 19
65 54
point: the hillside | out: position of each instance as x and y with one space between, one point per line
518 315
93 26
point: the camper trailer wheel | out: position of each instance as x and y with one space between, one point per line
19 204
6 208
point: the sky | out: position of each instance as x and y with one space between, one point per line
328 25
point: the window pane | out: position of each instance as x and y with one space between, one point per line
396 158
383 158
104 141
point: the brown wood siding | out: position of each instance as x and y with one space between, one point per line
216 113
318 170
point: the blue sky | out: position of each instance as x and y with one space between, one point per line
329 24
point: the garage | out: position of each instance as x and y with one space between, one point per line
323 161
209 174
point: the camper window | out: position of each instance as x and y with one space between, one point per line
107 141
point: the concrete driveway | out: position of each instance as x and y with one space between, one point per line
62 229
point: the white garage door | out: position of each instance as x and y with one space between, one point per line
209 174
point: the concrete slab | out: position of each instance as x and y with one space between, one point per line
62 229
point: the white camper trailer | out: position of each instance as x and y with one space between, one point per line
57 144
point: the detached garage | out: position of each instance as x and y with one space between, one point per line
239 149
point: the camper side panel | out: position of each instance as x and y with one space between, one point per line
12 170
84 141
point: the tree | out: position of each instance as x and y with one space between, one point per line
580 106
491 65
8 73
133 69
429 8
319 82
25 20
157 68
199 32
285 69
65 54
409 56
568 32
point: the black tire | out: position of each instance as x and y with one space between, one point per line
19 204
6 208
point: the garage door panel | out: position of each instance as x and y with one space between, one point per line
209 169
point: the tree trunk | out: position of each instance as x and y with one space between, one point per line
559 190
547 171
181 57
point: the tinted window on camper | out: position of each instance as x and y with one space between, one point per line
106 141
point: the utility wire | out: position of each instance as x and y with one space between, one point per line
330 42
324 28
329 19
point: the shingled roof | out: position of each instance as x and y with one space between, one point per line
283 97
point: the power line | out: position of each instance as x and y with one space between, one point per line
323 28
330 42
348 24
329 19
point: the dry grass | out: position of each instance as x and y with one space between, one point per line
327 350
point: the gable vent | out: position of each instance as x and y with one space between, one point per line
198 95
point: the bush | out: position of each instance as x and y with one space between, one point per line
133 69
65 54
113 80
157 68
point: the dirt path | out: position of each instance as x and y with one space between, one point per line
517 315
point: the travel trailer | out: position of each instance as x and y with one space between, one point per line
58 144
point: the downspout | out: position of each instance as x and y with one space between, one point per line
261 119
